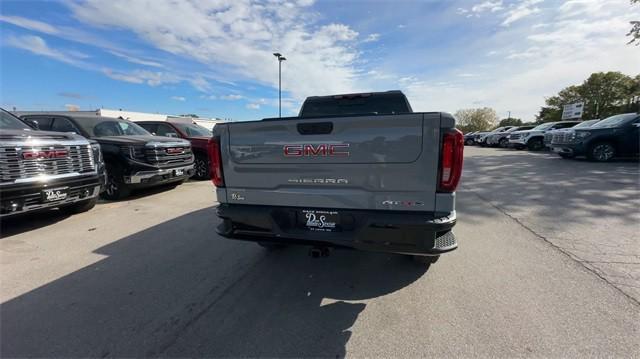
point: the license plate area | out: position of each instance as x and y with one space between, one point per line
316 220
55 194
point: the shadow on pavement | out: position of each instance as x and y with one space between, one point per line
29 221
555 188
176 289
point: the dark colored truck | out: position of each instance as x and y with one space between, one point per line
360 171
43 170
134 158
198 136
615 136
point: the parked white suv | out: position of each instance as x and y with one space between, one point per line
534 139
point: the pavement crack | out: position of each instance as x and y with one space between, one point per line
559 248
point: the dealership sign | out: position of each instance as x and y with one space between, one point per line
572 111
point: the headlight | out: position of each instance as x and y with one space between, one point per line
133 152
580 135
97 153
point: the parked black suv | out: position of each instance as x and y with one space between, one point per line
614 136
41 170
134 158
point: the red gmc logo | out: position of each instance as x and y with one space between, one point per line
175 150
32 155
323 150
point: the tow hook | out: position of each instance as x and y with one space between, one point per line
317 252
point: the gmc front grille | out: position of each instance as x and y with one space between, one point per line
169 156
13 166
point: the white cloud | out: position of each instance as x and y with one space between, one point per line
526 65
38 46
372 38
179 98
231 97
29 24
135 60
489 5
236 39
143 76
520 11
253 106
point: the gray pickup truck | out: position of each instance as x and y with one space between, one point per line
361 171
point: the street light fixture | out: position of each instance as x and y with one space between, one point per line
280 59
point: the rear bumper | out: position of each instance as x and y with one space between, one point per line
382 231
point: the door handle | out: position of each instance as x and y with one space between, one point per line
315 128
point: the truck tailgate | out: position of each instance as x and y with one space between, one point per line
359 162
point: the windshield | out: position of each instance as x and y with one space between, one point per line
193 130
543 127
616 121
104 126
11 122
585 124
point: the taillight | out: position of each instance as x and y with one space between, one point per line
450 161
215 162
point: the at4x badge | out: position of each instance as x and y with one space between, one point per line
403 203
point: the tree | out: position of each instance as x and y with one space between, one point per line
603 93
476 119
510 122
635 29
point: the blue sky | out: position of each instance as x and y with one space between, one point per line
214 58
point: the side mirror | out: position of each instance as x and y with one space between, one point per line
153 133
34 124
637 124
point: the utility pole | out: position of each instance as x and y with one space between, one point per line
280 59
509 117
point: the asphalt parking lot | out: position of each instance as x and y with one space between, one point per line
548 265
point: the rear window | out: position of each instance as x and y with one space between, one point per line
379 104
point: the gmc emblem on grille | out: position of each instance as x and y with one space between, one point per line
175 151
46 154
311 150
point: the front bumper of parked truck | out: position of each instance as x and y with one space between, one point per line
26 197
415 233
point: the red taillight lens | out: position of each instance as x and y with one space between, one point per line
215 162
451 161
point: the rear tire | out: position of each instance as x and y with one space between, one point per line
469 142
535 144
201 168
425 259
115 189
81 206
602 152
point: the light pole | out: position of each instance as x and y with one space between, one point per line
280 59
